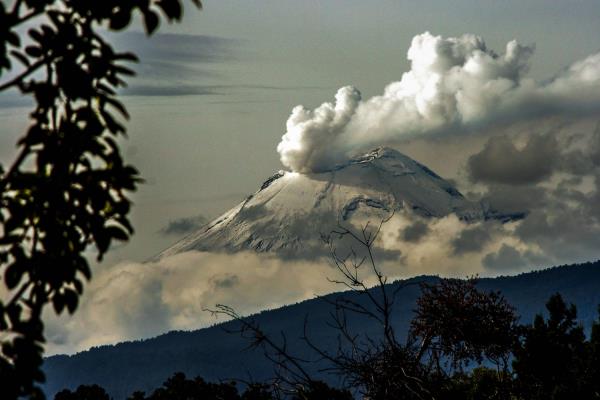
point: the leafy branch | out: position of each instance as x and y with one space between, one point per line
67 189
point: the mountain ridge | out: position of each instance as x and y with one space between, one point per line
211 353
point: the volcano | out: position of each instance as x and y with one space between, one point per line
291 212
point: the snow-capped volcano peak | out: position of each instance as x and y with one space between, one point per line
291 211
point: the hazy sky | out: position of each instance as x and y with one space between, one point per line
213 94
211 106
202 153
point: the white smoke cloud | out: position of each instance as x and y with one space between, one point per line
301 147
453 84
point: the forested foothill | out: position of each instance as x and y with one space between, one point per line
462 343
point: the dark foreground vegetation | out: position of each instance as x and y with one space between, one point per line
65 194
463 343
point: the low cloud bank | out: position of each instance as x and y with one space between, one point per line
132 300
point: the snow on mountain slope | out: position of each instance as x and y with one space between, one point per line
291 211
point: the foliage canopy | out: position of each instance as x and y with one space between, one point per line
66 190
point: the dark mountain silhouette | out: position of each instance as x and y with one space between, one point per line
215 354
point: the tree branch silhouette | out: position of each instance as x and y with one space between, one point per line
67 189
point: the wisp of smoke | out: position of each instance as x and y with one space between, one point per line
453 84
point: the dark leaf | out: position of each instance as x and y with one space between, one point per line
84 268
9 239
150 21
71 300
36 35
21 57
13 274
118 105
102 239
126 57
123 70
171 8
78 286
120 20
33 51
117 233
58 302
13 39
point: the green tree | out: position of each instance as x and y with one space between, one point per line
457 322
318 390
83 392
67 188
592 367
178 387
549 361
481 383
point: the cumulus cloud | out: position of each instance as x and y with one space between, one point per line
500 161
415 232
506 256
454 84
563 219
472 239
448 246
513 199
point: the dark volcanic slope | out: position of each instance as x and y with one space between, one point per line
214 354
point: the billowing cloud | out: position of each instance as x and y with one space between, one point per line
448 246
302 147
454 84
563 203
131 300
